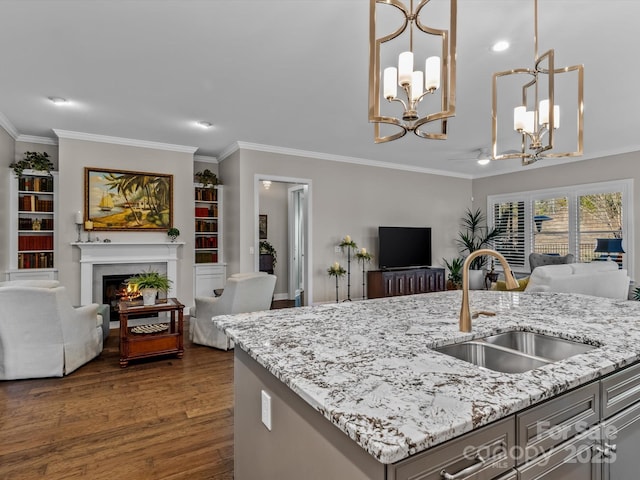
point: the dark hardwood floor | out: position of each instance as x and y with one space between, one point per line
164 418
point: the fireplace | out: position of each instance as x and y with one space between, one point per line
99 258
114 289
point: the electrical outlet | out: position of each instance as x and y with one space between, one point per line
337 249
251 251
266 410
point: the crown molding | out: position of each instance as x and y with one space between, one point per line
336 158
205 159
234 147
130 142
8 126
34 139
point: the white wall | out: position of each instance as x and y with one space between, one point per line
347 199
615 167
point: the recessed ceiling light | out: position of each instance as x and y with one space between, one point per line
500 46
58 100
204 124
484 161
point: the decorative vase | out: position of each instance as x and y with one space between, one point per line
173 237
149 295
476 280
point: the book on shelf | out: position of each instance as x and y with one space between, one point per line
35 260
206 257
35 184
31 203
35 242
207 242
206 194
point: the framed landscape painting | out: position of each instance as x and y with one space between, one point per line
124 200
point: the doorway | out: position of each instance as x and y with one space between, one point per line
285 206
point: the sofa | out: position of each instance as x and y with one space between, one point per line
600 279
542 259
243 293
42 334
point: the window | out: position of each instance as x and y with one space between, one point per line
561 221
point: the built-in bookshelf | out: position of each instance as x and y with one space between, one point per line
208 234
210 270
33 206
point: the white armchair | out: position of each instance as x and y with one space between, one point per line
242 293
43 335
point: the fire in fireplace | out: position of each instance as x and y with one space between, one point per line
114 289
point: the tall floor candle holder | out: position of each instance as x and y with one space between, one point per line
348 244
365 257
337 271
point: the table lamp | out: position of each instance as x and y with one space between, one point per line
608 246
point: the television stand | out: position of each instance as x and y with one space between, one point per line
406 281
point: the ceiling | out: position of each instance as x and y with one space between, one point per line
292 74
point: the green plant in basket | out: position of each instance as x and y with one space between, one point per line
173 233
150 279
38 161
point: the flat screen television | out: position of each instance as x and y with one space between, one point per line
401 247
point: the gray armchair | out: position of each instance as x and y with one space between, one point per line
540 259
247 292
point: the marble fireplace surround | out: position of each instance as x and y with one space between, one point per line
98 259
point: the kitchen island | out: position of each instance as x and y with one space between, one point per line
358 386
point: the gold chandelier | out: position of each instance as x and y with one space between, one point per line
538 117
437 79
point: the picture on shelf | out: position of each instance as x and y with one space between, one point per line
125 200
262 227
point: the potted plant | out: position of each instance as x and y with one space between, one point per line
476 235
173 233
454 279
148 284
267 249
207 177
32 161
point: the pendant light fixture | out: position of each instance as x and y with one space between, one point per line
537 116
398 46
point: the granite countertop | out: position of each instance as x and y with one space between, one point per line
369 367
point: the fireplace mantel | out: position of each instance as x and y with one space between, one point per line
102 253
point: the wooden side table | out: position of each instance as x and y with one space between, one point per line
144 345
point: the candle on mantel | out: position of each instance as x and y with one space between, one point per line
78 218
88 225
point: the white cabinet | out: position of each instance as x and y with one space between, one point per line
208 278
32 211
209 266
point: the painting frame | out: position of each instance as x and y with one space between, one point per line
262 227
125 200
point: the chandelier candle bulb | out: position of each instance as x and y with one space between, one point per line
544 114
519 114
78 218
390 82
417 80
432 73
405 68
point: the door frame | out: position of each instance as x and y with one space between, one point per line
308 223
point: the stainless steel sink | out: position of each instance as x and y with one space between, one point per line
494 358
545 346
515 352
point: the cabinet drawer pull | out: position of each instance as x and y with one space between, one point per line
465 472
